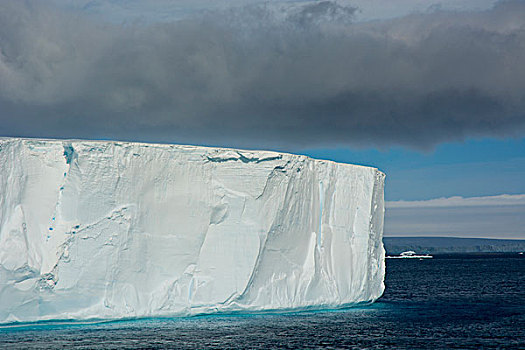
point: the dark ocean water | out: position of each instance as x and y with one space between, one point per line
467 302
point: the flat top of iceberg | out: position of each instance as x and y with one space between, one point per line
225 152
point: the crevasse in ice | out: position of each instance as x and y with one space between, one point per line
106 230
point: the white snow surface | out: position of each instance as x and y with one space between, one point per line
108 230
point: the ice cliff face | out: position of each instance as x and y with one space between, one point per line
111 229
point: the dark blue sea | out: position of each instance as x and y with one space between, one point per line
455 301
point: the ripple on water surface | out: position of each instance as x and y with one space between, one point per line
448 302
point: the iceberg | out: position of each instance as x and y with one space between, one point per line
109 230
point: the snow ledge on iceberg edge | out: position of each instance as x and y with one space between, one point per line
108 230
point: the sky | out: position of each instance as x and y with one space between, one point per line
430 92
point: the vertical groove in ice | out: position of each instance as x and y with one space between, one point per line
153 230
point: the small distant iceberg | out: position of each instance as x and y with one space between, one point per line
410 254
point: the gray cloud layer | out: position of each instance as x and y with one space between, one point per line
275 75
456 202
500 216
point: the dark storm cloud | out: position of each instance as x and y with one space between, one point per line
279 76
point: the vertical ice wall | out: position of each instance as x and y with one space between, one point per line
111 229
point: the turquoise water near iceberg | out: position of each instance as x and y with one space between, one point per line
455 301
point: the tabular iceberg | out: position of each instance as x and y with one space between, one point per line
106 230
